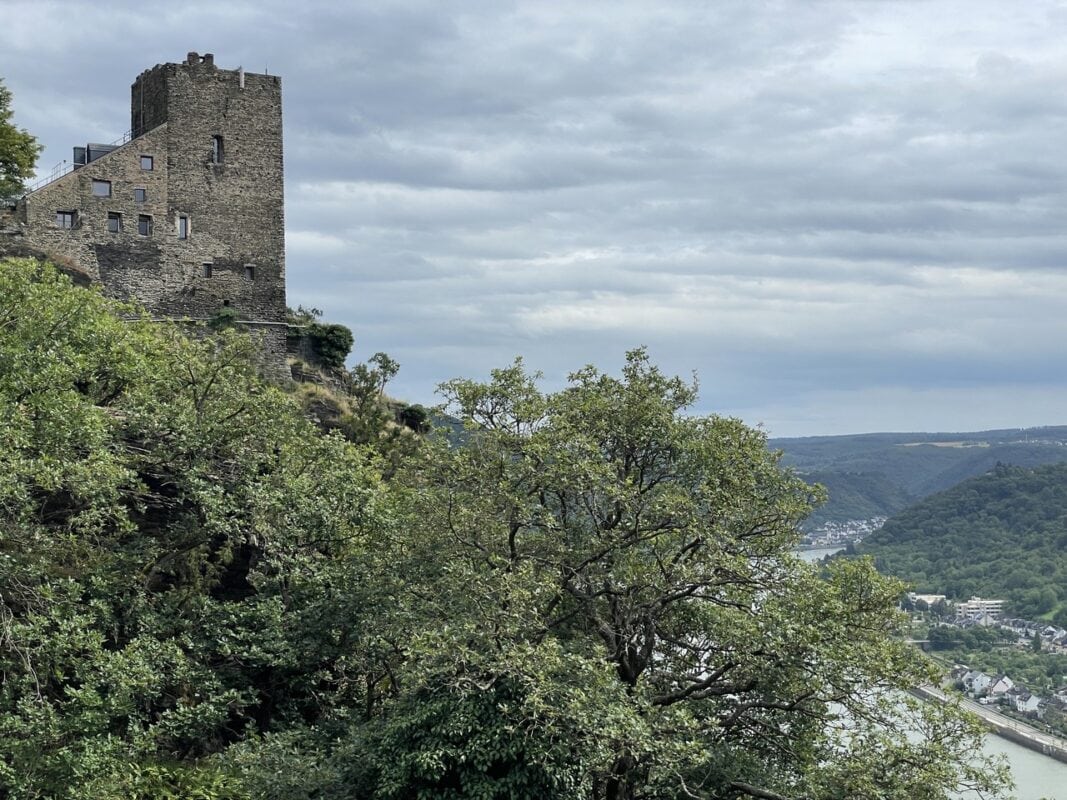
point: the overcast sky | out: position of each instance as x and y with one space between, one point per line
843 216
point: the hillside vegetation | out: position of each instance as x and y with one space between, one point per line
203 595
1000 535
880 474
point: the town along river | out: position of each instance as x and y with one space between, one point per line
1036 776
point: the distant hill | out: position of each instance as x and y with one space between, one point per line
1000 535
879 474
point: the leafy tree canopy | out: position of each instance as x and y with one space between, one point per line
18 150
593 597
176 544
621 574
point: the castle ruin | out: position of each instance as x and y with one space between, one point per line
186 215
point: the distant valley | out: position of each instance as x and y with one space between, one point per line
1000 535
878 474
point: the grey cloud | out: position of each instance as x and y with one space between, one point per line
815 205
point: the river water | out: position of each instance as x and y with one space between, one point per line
819 552
1036 776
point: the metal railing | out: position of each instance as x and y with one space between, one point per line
65 166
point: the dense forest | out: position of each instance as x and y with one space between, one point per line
879 474
1001 535
204 595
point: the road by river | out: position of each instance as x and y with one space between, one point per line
1036 775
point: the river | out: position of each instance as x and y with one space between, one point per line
816 553
1036 776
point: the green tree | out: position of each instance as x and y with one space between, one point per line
18 150
332 343
179 549
592 597
623 571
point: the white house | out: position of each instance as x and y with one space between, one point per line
1001 686
1025 702
977 682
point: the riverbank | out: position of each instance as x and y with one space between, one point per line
1011 729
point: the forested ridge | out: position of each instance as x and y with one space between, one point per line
879 474
593 597
1000 535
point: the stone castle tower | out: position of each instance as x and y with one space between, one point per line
187 216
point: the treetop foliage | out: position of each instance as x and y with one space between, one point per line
171 533
601 532
18 150
592 597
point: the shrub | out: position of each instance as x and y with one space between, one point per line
331 342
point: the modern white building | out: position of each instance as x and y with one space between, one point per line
977 606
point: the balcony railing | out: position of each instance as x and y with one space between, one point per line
65 166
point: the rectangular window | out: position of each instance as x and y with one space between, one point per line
250 272
144 225
114 222
207 270
140 195
101 188
66 219
183 227
147 163
217 152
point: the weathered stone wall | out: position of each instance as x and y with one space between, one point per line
129 265
233 206
272 345
148 98
236 207
300 346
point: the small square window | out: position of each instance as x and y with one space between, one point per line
147 163
250 272
114 222
66 219
101 188
183 227
140 195
206 270
144 225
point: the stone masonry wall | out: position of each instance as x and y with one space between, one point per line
233 251
148 99
128 264
238 202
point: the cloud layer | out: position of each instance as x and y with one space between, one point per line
844 216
